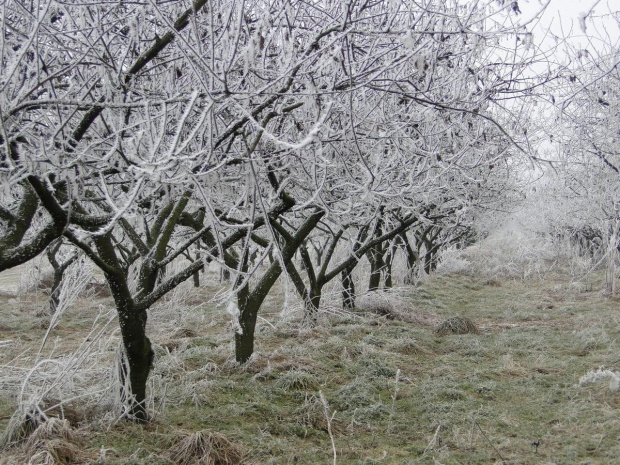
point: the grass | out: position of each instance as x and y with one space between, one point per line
397 393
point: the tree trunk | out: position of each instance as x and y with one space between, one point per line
388 262
139 358
132 321
376 264
433 261
387 283
55 292
312 303
412 259
429 261
244 338
348 289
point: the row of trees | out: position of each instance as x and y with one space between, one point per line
194 132
581 141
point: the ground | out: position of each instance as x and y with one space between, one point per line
377 390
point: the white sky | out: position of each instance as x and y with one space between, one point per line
562 18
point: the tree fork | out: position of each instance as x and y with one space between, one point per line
249 303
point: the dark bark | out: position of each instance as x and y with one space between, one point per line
311 295
312 299
132 321
375 256
13 250
139 358
387 264
376 266
348 289
412 258
312 303
428 262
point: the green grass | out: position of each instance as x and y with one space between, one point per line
460 399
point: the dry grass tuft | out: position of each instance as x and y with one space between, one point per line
53 442
54 452
54 428
456 325
35 426
205 448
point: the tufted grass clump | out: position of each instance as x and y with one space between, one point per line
456 325
356 394
54 428
54 441
297 380
205 448
54 451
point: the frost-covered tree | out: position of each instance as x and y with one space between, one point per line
140 133
589 144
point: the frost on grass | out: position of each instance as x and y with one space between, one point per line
600 375
55 452
357 394
408 346
311 414
51 442
297 380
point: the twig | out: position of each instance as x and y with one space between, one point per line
389 428
433 441
266 321
329 419
489 441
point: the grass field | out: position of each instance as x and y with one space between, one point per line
375 390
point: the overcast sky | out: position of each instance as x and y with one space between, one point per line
562 18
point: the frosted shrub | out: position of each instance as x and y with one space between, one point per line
452 260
